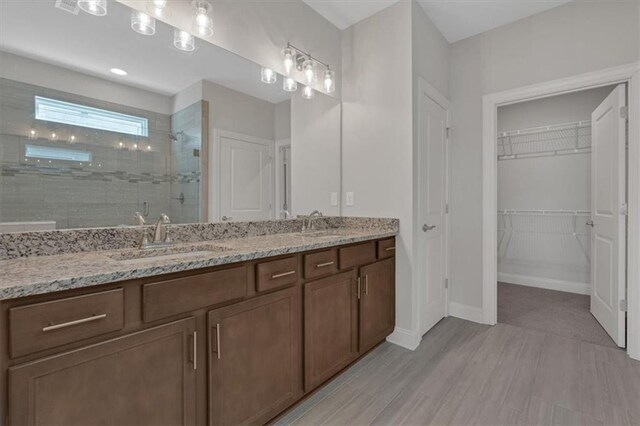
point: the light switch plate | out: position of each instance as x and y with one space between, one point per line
349 198
334 198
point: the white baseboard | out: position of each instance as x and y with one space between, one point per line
406 338
466 312
546 283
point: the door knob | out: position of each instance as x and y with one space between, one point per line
426 227
590 223
225 218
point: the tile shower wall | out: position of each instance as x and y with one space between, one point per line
126 173
186 126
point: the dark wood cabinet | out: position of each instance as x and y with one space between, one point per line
330 326
254 358
377 303
146 377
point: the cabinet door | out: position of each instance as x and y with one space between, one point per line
331 326
377 303
254 355
143 378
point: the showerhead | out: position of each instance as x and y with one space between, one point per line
177 137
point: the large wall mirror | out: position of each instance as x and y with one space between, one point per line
99 122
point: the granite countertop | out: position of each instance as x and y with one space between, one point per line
46 274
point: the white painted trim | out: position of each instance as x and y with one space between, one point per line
434 94
633 221
546 283
466 312
215 155
622 74
406 338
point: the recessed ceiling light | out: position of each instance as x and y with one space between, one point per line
118 71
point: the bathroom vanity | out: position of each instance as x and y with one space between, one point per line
174 340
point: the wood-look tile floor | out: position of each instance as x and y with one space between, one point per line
465 373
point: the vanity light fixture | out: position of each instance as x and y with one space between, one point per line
329 81
203 24
33 134
267 75
308 68
142 23
118 71
307 65
184 41
157 7
93 7
289 84
308 92
288 60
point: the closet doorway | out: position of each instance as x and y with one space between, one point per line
561 199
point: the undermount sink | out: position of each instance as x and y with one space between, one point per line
325 233
167 253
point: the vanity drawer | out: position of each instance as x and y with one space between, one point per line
49 324
357 255
276 274
166 298
320 263
386 248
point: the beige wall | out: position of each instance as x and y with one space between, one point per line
568 40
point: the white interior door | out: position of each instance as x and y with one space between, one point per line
432 212
608 209
245 178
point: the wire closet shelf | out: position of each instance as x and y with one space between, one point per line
557 139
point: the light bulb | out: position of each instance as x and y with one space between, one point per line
308 93
289 84
53 136
94 7
329 81
309 73
33 134
158 8
203 21
72 138
120 144
148 147
184 41
288 60
143 23
135 146
268 76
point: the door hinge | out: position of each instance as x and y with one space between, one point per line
624 112
446 283
623 305
624 209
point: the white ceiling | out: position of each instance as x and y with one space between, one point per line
93 45
456 19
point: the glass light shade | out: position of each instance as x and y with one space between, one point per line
288 60
33 134
159 4
268 76
94 7
184 41
289 84
203 24
143 23
308 93
158 8
309 72
329 81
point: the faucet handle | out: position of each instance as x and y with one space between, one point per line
140 219
164 218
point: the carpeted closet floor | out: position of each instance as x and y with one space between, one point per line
554 312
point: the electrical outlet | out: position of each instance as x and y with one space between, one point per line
349 198
334 198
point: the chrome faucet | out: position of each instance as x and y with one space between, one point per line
309 225
160 234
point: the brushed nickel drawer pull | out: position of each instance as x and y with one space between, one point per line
284 274
390 249
322 265
75 322
195 350
218 340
